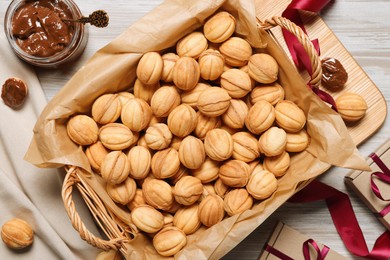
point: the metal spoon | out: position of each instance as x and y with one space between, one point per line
98 18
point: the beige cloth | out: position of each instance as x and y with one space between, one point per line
31 193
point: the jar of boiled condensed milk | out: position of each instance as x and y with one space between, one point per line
43 32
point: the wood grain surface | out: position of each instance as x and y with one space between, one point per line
362 27
358 81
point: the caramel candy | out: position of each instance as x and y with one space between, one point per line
116 136
164 100
157 193
218 145
182 120
169 241
211 64
273 93
235 116
150 67
106 109
211 210
14 92
136 114
95 154
17 234
297 142
158 136
289 116
115 167
191 152
186 73
236 51
245 147
236 82
207 172
139 160
261 184
261 116
205 124
122 192
234 173
273 141
192 45
351 106
187 190
214 101
187 219
147 219
219 27
169 61
334 75
237 201
263 68
82 130
165 163
278 164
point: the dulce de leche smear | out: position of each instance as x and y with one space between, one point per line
14 92
39 28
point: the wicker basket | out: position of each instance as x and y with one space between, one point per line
118 233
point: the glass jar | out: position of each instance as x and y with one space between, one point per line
77 33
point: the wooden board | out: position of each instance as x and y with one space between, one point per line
358 81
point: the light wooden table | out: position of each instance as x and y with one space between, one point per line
364 29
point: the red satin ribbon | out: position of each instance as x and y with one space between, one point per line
292 13
298 53
321 254
272 250
344 219
324 96
383 176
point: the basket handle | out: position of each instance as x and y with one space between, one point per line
70 180
303 39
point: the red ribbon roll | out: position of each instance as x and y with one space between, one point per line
383 176
344 219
